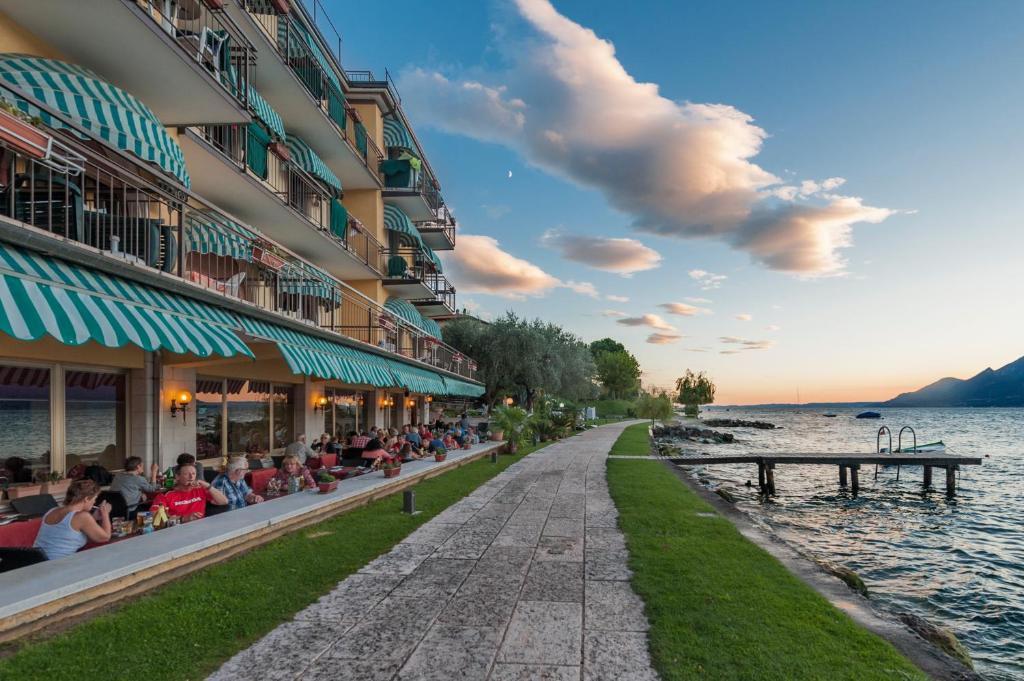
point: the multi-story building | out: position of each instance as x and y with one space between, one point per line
212 237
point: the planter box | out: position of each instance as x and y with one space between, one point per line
326 487
280 150
57 489
392 472
24 136
440 457
23 490
497 435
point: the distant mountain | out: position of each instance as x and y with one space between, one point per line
1002 387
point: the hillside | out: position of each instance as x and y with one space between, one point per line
1003 387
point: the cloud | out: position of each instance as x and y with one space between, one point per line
728 352
651 320
663 338
747 344
698 301
683 309
613 313
773 327
480 265
617 299
623 256
696 349
744 317
684 169
707 280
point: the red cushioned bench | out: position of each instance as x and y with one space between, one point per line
20 533
259 478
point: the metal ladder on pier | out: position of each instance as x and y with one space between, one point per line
899 445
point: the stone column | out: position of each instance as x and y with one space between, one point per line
177 433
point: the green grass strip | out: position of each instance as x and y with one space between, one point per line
187 629
721 607
634 441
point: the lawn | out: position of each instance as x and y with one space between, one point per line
634 441
721 607
186 629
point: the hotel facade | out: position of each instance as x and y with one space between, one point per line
213 237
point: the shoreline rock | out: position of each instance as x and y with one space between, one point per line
703 435
848 576
739 423
945 639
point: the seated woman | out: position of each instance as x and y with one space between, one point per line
67 528
374 454
293 476
450 442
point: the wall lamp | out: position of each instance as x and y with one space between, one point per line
410 403
429 398
509 401
180 403
320 404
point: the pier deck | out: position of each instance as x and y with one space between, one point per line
847 463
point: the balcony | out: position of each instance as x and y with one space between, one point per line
407 272
441 302
411 188
439 232
299 81
158 50
98 206
280 199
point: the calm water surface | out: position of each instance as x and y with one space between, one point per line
958 562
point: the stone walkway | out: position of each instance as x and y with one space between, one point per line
525 578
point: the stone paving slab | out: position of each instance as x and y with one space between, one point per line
524 579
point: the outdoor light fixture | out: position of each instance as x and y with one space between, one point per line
508 401
430 398
320 404
180 403
410 403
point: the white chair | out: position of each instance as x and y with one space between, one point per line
210 45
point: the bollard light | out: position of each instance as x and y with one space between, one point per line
409 502
494 456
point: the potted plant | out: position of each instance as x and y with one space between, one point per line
55 485
392 468
18 130
27 489
326 482
440 454
514 424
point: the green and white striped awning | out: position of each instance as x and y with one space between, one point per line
396 135
41 295
417 380
396 220
314 356
266 113
307 280
455 387
212 234
98 107
308 160
432 327
406 311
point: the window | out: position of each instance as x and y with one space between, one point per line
284 416
249 418
25 428
209 417
340 416
94 419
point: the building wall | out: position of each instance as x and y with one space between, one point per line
373 120
367 206
15 38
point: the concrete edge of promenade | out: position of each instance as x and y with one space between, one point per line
932 661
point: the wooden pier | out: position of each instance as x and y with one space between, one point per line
849 465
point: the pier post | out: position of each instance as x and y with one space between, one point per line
770 475
761 479
951 481
855 477
927 477
842 476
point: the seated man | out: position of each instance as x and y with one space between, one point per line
412 437
474 437
132 484
187 499
436 443
299 449
232 484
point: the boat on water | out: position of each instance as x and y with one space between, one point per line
869 415
939 446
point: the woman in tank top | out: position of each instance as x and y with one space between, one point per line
67 528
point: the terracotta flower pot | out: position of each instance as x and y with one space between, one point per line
440 457
497 435
56 489
326 487
26 490
392 472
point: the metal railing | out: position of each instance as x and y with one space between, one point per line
420 182
444 292
210 38
299 49
361 242
407 262
115 207
443 222
368 78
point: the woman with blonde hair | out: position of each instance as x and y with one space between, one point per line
69 527
293 470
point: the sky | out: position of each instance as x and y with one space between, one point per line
813 200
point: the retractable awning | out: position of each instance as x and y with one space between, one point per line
417 380
266 113
208 234
308 160
463 388
41 295
396 220
396 135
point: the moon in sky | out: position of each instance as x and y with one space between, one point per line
510 173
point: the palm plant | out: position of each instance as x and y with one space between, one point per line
515 423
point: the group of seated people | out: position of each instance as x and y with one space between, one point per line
80 519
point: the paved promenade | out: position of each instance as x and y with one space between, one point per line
525 578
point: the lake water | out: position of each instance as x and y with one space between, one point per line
957 562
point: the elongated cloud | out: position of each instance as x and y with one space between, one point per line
683 309
744 317
623 256
613 313
680 169
745 343
480 265
707 280
664 338
617 299
651 320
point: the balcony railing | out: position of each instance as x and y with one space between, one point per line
444 292
209 37
108 204
413 181
300 51
408 262
443 221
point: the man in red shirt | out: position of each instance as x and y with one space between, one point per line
189 496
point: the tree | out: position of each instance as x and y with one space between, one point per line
606 345
619 373
694 390
654 407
